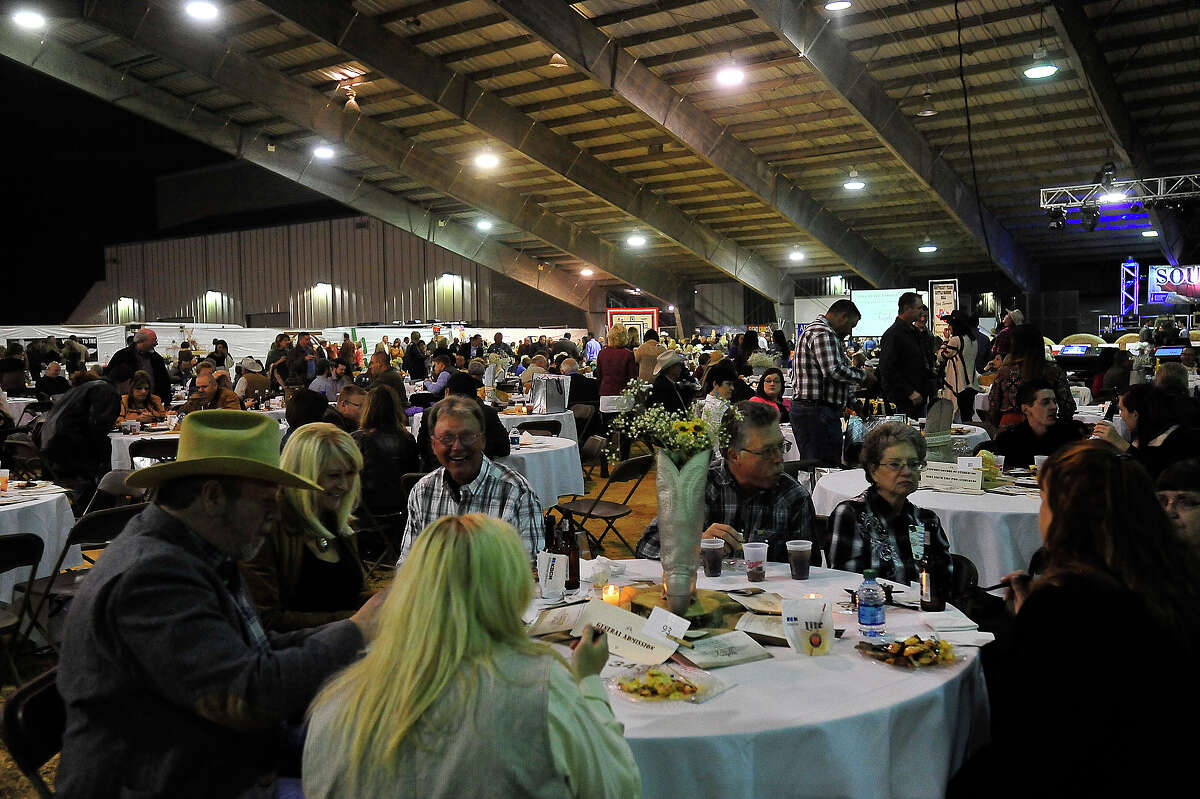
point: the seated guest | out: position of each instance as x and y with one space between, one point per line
1172 377
139 405
348 412
180 373
584 389
303 407
719 382
496 443
1155 423
53 383
201 367
468 481
220 354
1178 489
443 369
252 383
456 700
210 396
389 451
1188 358
747 496
665 391
1115 381
703 360
1113 564
476 368
307 572
537 365
225 383
331 380
1041 433
382 373
770 391
74 438
165 664
872 531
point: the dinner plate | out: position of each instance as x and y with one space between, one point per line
706 685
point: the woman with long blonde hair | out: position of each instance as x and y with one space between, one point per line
308 572
454 698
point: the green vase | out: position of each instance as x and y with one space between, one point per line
680 525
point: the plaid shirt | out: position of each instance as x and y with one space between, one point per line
820 371
776 515
862 537
497 491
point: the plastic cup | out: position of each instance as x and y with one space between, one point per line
1039 461
999 461
799 558
712 550
3 479
756 561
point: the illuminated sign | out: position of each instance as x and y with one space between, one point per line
1173 284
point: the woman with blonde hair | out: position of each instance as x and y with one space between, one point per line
455 699
307 572
140 404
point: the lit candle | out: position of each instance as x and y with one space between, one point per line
812 596
612 594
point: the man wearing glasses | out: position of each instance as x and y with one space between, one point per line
468 482
747 496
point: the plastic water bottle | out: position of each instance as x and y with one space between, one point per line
871 600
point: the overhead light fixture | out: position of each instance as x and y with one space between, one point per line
927 109
1150 234
1041 66
635 290
28 19
323 151
635 239
484 224
323 286
586 272
487 160
670 307
447 274
837 5
1114 197
1090 215
795 255
730 74
202 10
1058 219
351 101
854 183
927 246
558 62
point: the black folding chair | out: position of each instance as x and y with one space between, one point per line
33 410
34 720
822 537
591 454
541 427
23 458
584 414
579 511
18 551
388 528
157 449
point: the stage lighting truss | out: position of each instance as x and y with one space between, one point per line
1148 192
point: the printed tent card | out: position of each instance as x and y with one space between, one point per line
626 640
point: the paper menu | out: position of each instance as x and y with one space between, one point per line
556 620
727 649
626 640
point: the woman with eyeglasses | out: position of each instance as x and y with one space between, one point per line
770 390
880 529
389 451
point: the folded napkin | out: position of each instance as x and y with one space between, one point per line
526 438
949 620
967 638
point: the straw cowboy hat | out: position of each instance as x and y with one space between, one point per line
251 364
224 444
667 360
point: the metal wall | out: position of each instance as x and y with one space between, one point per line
327 273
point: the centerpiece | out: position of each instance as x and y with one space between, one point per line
683 447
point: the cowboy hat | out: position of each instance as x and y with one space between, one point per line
251 364
666 361
1017 317
224 444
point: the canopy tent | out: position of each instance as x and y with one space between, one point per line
101 340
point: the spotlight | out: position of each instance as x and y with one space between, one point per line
324 152
670 307
1090 215
487 160
927 246
1058 219
837 5
635 239
1150 234
201 10
1040 67
730 75
854 183
484 224
29 20
927 109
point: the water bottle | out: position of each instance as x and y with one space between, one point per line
871 600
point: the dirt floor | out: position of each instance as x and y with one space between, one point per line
13 784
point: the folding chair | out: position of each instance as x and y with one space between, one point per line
388 527
821 538
34 720
17 551
597 507
543 427
33 410
157 449
23 458
112 486
584 414
591 454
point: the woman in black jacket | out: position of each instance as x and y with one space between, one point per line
389 451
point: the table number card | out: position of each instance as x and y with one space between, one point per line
663 625
948 477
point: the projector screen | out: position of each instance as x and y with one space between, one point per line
878 309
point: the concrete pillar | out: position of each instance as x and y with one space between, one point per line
597 307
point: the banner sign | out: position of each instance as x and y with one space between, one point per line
637 319
943 298
1173 285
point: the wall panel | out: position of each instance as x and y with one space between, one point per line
264 274
308 246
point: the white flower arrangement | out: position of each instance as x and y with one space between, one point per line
680 435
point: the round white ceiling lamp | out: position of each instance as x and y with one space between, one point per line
323 151
28 19
670 307
1041 67
854 182
927 109
484 224
636 239
927 246
587 272
795 255
487 160
837 5
202 10
731 74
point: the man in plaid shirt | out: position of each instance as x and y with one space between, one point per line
467 481
747 497
823 378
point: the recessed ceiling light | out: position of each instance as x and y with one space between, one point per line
586 272
487 160
635 240
484 224
324 152
29 20
1040 67
854 183
202 10
837 5
1150 234
927 246
730 75
795 255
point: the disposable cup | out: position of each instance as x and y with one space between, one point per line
999 460
1039 461
756 561
799 558
711 552
3 479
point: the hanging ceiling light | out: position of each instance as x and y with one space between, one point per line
487 160
351 101
854 182
323 151
670 307
1090 215
795 255
558 62
586 272
1041 66
837 5
29 20
635 239
927 109
202 10
730 74
484 224
927 245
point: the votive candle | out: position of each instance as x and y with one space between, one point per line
612 594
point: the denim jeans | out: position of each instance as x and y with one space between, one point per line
818 431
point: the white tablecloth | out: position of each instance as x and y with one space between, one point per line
974 436
16 408
121 442
49 518
998 533
1088 414
797 726
278 414
551 467
511 420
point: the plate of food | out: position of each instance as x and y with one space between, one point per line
667 683
960 431
912 653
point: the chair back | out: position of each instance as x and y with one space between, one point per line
584 414
96 529
17 551
34 720
159 449
821 538
22 457
632 469
964 577
541 427
112 486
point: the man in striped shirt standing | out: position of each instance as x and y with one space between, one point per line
823 378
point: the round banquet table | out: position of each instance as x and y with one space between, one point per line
1088 414
551 465
278 414
511 420
797 726
999 533
974 436
121 442
49 517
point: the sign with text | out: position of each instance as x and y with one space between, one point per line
878 308
625 637
1173 285
943 298
948 477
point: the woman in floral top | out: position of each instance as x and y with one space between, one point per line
880 529
1026 361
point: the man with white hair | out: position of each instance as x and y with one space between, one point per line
140 356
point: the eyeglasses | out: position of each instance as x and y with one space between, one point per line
466 439
897 466
771 451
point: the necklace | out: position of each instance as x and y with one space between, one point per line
322 544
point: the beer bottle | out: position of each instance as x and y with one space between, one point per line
934 569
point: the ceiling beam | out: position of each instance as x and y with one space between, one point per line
1087 57
57 61
157 31
359 36
799 25
596 55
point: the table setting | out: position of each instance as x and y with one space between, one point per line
550 464
41 508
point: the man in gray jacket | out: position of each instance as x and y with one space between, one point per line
171 686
